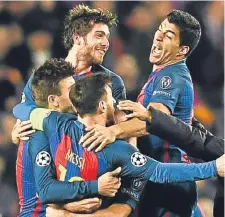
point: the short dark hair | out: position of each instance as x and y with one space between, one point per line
190 28
86 93
81 19
46 80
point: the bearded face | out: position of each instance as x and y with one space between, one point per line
96 44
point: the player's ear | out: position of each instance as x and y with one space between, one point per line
53 100
183 50
102 106
77 40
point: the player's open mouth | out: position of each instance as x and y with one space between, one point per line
156 51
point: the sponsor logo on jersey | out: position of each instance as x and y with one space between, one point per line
131 193
159 92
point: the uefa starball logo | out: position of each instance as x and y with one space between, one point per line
138 159
43 159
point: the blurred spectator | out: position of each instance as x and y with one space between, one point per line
39 43
8 148
126 66
8 197
9 206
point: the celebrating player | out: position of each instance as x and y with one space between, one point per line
86 37
55 80
97 107
170 90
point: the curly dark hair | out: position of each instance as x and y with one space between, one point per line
86 93
80 20
190 28
46 79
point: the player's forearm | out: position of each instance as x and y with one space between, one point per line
181 172
115 210
53 191
130 128
54 211
192 140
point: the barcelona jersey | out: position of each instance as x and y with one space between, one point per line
118 90
29 200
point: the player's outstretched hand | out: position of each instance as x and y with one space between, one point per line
220 164
97 135
138 110
109 183
21 131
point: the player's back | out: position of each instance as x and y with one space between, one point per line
75 163
30 205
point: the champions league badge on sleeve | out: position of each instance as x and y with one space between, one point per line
165 82
43 159
138 159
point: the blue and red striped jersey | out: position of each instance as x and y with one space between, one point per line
118 90
30 204
172 86
73 162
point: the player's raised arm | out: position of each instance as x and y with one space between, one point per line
135 164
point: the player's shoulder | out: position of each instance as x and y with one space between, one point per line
37 137
115 78
37 141
61 118
174 74
178 70
122 146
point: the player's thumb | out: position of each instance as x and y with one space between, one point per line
116 171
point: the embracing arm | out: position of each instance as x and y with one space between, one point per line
115 210
49 189
196 142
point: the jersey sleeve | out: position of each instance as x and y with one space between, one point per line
48 188
118 88
166 89
136 165
130 192
48 120
27 102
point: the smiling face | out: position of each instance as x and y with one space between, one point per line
96 44
166 44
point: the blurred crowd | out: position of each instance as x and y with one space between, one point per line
30 33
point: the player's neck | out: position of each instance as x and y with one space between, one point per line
171 62
91 120
80 66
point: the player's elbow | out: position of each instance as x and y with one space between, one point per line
44 198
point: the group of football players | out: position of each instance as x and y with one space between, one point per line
76 156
